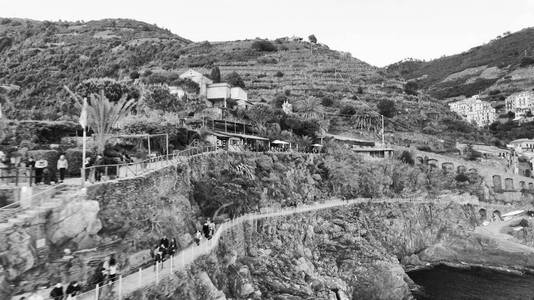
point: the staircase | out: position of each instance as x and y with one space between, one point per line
42 200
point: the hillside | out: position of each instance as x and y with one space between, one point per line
502 66
38 58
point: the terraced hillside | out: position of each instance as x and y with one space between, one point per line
505 64
38 58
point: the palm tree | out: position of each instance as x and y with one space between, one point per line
310 108
102 114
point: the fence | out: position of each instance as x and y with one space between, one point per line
16 176
101 173
154 274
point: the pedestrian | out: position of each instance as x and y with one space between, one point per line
40 165
206 229
173 247
87 164
158 256
62 166
112 269
165 242
73 289
212 229
99 162
197 237
57 292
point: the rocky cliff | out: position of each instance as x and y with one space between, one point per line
348 253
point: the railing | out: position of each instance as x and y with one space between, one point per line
36 201
16 176
101 173
154 274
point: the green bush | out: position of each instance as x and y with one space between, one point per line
387 108
348 110
74 158
279 74
263 45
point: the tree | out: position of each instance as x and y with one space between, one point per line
312 39
134 75
261 114
157 97
387 108
264 46
310 108
235 80
279 74
411 88
216 75
102 114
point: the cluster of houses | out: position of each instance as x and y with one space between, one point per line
481 113
474 110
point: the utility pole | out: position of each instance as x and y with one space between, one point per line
383 140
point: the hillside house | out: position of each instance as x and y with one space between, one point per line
198 78
475 110
520 103
224 96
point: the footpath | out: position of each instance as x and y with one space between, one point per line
126 284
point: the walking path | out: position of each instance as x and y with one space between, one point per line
151 275
504 241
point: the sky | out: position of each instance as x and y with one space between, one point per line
379 32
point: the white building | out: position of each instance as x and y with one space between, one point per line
522 145
474 110
200 79
520 103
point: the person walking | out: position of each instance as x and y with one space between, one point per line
87 164
112 269
40 165
99 162
158 257
62 166
197 237
206 229
212 229
173 247
73 289
57 292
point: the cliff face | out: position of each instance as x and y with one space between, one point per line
348 253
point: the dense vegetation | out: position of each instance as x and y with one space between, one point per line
507 52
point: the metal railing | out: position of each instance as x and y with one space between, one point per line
102 173
144 277
16 176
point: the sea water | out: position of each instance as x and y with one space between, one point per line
443 282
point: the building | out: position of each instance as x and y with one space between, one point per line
475 110
198 78
520 103
522 145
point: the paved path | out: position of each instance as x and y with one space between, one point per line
504 241
148 276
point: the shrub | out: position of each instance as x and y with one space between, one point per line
279 74
327 101
74 157
411 88
235 80
387 108
407 158
461 178
267 60
134 75
527 61
312 39
263 45
347 110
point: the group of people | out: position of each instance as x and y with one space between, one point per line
163 250
58 293
208 229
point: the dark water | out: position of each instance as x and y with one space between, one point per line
449 283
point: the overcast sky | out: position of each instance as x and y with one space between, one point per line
379 32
